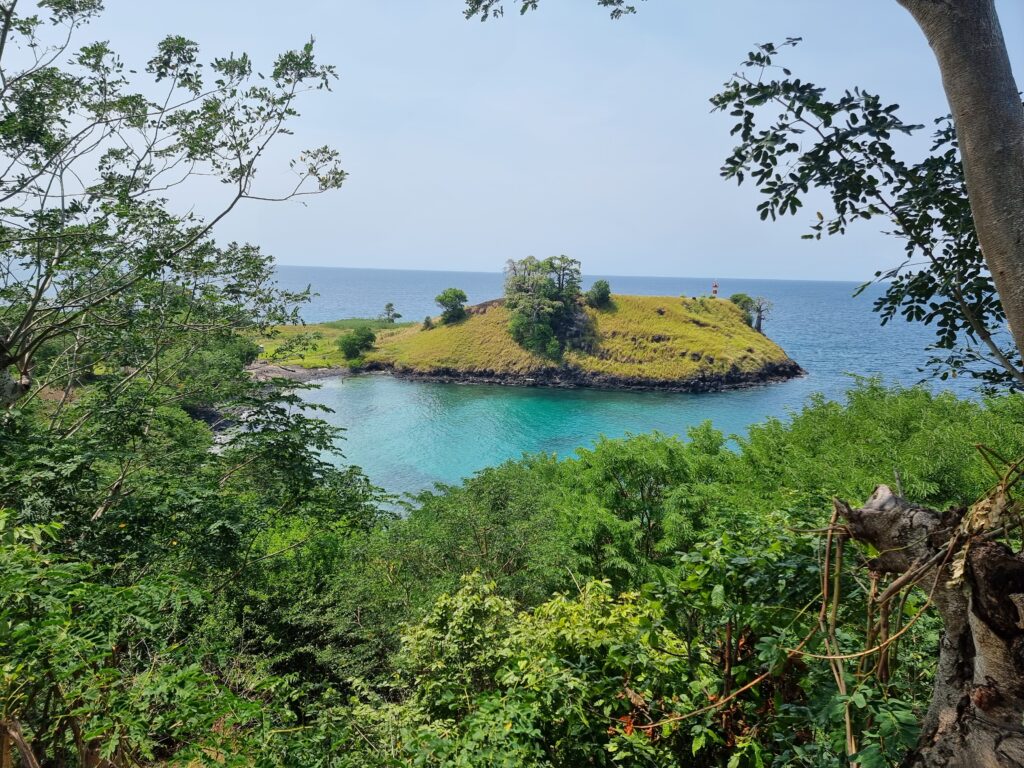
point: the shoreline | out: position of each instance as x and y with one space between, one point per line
562 378
549 379
260 370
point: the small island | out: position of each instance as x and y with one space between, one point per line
640 342
552 335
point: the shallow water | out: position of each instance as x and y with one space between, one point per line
409 435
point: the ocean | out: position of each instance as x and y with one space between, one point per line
408 436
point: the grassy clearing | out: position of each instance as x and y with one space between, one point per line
652 338
316 345
351 323
667 338
481 342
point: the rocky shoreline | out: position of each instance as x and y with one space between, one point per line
572 378
553 377
261 370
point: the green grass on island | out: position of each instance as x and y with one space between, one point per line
645 338
316 345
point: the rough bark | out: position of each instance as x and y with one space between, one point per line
13 730
11 389
986 105
975 716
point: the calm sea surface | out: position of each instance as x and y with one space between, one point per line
409 435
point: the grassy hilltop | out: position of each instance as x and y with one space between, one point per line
637 341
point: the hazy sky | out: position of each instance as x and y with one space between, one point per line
558 132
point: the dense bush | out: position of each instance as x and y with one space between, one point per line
702 582
746 303
354 344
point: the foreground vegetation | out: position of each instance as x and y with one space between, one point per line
545 612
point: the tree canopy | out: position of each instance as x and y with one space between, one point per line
542 296
599 294
942 279
452 302
97 267
358 341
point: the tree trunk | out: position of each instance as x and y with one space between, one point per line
12 729
11 389
6 759
986 105
975 717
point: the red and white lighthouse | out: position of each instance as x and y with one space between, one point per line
714 289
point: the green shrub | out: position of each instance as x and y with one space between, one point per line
452 302
745 303
353 345
599 294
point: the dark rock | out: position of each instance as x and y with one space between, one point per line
572 378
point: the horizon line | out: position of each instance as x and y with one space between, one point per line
585 274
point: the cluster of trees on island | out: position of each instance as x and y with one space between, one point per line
542 297
185 579
544 301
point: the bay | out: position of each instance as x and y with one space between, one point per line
409 435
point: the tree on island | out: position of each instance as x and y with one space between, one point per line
452 302
599 295
389 315
746 303
755 309
974 277
543 300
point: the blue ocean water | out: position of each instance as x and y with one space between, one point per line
409 435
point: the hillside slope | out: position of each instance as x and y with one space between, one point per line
639 342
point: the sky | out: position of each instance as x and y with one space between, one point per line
563 131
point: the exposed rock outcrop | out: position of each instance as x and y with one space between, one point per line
566 377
